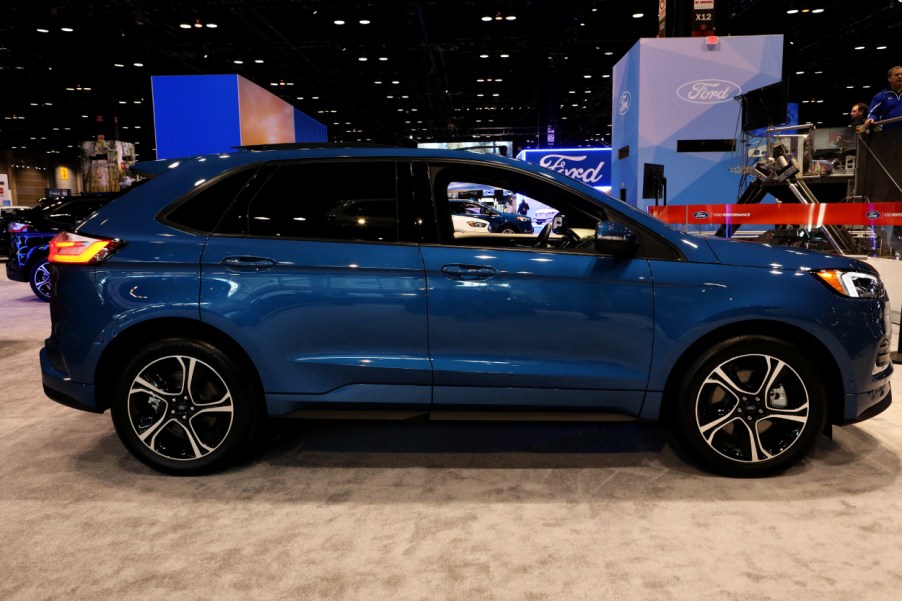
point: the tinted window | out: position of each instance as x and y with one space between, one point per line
202 211
341 200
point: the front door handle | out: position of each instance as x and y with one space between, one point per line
249 263
468 272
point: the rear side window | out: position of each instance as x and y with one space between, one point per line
202 211
341 200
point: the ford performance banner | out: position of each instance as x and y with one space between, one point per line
591 166
810 215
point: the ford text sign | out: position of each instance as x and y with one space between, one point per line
591 166
708 91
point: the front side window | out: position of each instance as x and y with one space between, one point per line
490 207
340 200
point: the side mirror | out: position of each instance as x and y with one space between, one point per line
615 239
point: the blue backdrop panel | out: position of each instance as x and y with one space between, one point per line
201 114
672 89
308 129
195 114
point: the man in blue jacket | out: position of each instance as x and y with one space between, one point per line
888 103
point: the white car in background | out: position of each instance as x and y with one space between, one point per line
468 223
542 216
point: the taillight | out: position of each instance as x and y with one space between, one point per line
15 227
67 247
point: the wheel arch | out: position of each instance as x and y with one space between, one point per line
825 363
120 350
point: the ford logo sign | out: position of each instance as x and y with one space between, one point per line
873 215
624 103
708 91
700 214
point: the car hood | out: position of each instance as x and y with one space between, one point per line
753 254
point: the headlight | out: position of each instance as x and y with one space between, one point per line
523 219
477 223
852 283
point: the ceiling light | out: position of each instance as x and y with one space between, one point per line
364 21
792 11
67 29
883 47
487 18
184 26
587 76
483 56
42 30
638 15
239 62
396 82
259 61
859 47
212 25
139 64
362 59
817 10
504 55
118 65
510 18
338 22
198 24
383 58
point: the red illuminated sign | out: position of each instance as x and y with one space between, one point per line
811 215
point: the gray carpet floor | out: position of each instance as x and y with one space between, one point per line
398 511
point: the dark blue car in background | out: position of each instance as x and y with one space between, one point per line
32 229
221 291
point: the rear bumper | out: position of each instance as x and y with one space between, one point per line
16 274
60 388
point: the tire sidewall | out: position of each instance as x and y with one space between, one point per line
245 417
684 417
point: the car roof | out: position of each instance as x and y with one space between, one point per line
292 152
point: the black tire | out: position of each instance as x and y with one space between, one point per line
39 279
750 406
181 407
508 229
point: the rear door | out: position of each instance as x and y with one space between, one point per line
308 272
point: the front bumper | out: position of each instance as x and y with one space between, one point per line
865 405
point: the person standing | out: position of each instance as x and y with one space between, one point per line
858 114
888 103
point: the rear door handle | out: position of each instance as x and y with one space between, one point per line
468 272
248 263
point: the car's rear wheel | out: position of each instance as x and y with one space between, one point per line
39 278
182 407
750 406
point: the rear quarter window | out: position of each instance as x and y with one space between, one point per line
202 209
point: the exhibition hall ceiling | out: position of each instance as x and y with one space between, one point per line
400 71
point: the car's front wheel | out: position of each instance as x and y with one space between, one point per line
508 229
750 406
182 407
39 278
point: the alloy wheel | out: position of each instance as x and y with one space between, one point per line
180 408
752 408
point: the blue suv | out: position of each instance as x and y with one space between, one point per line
324 282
